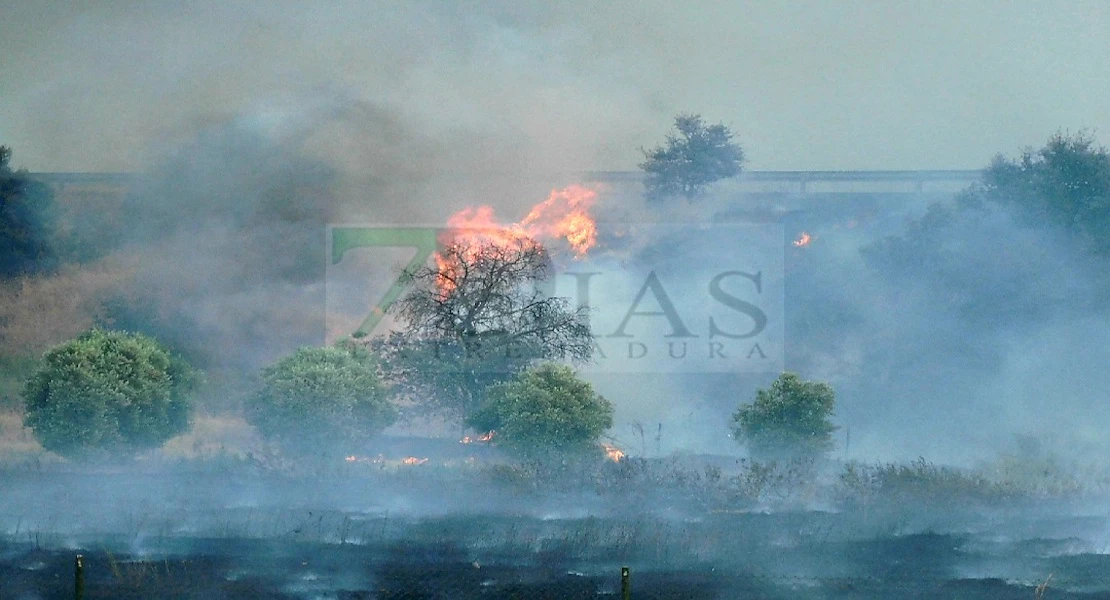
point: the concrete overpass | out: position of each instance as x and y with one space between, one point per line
788 182
824 182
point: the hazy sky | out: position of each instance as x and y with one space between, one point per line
808 85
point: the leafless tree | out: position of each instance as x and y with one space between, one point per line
479 316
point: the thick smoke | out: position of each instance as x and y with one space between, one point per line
575 86
255 127
954 331
222 240
948 336
946 329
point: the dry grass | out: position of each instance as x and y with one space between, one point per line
14 436
17 443
38 312
1042 588
212 436
14 371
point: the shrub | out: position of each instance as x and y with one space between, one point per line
108 392
546 410
917 481
790 420
321 398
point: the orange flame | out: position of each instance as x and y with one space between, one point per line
612 452
354 458
412 460
564 215
803 240
484 438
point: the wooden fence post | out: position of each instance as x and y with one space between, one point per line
79 578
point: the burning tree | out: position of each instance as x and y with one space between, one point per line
699 155
546 410
478 317
789 420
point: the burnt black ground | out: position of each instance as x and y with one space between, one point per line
211 535
235 569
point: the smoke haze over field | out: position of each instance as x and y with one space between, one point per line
573 86
965 327
257 125
947 343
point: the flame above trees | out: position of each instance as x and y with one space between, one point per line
564 215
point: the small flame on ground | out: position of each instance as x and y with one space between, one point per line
484 438
803 240
412 460
612 452
354 458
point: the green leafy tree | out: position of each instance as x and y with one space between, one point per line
789 420
691 159
546 410
108 393
27 221
320 400
476 318
1066 182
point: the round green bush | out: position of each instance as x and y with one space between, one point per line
108 393
791 420
322 400
546 410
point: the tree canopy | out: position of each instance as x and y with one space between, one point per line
545 410
691 159
966 249
27 221
108 392
1066 182
791 419
320 400
478 317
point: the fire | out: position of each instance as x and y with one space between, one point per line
803 240
354 458
612 452
412 460
564 215
484 438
